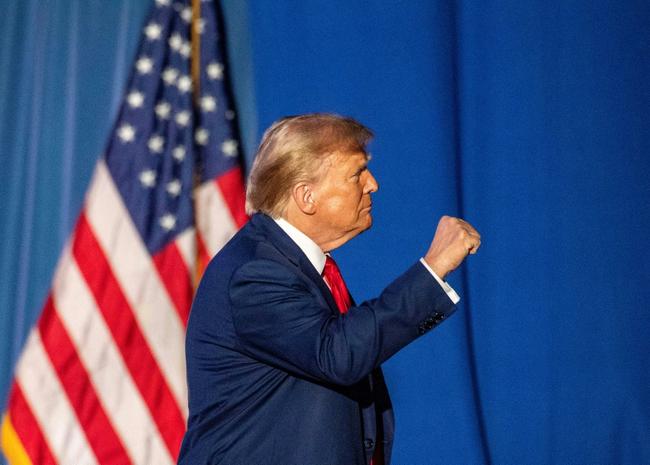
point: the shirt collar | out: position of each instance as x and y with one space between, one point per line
309 248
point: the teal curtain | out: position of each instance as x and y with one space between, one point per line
63 68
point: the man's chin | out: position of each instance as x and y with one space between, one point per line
367 222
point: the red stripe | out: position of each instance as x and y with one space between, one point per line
103 439
127 335
204 256
231 184
176 277
27 429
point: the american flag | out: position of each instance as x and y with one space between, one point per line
102 376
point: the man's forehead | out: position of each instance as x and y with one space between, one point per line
352 158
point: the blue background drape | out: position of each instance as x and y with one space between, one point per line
530 119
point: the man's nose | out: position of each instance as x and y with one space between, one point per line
371 184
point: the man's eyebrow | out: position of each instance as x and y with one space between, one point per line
361 168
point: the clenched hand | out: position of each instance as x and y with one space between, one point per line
453 241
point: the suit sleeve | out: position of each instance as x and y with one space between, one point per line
281 320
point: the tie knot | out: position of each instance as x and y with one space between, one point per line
331 268
333 277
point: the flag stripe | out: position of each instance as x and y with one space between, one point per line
21 436
127 335
75 381
203 256
231 185
102 376
176 277
214 223
97 350
140 285
38 381
187 247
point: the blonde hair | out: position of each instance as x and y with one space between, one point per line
292 151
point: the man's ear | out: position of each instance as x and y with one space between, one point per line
303 196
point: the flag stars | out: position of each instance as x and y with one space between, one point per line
179 153
208 103
230 115
135 99
215 70
184 84
201 136
144 65
182 118
167 221
169 76
126 133
179 45
153 31
173 187
186 50
163 109
229 147
156 144
176 41
186 14
147 178
162 2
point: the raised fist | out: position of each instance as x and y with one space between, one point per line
454 239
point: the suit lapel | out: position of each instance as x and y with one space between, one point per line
294 254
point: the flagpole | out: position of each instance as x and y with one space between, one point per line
195 69
195 37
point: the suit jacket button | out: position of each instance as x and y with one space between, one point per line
369 443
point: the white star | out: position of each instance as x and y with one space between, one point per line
201 136
156 144
215 70
208 103
148 178
173 188
186 50
144 65
162 2
126 133
184 84
182 118
230 114
186 14
135 99
229 147
179 153
169 75
153 31
175 41
167 221
163 109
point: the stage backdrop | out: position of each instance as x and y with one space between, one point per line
529 119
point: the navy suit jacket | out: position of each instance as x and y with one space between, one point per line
276 375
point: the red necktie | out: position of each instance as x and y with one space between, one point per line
340 292
341 295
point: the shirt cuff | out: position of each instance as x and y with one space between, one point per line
455 298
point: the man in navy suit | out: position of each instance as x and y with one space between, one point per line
283 368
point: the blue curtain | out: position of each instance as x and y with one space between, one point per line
63 65
530 119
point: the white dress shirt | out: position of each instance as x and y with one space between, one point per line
317 257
